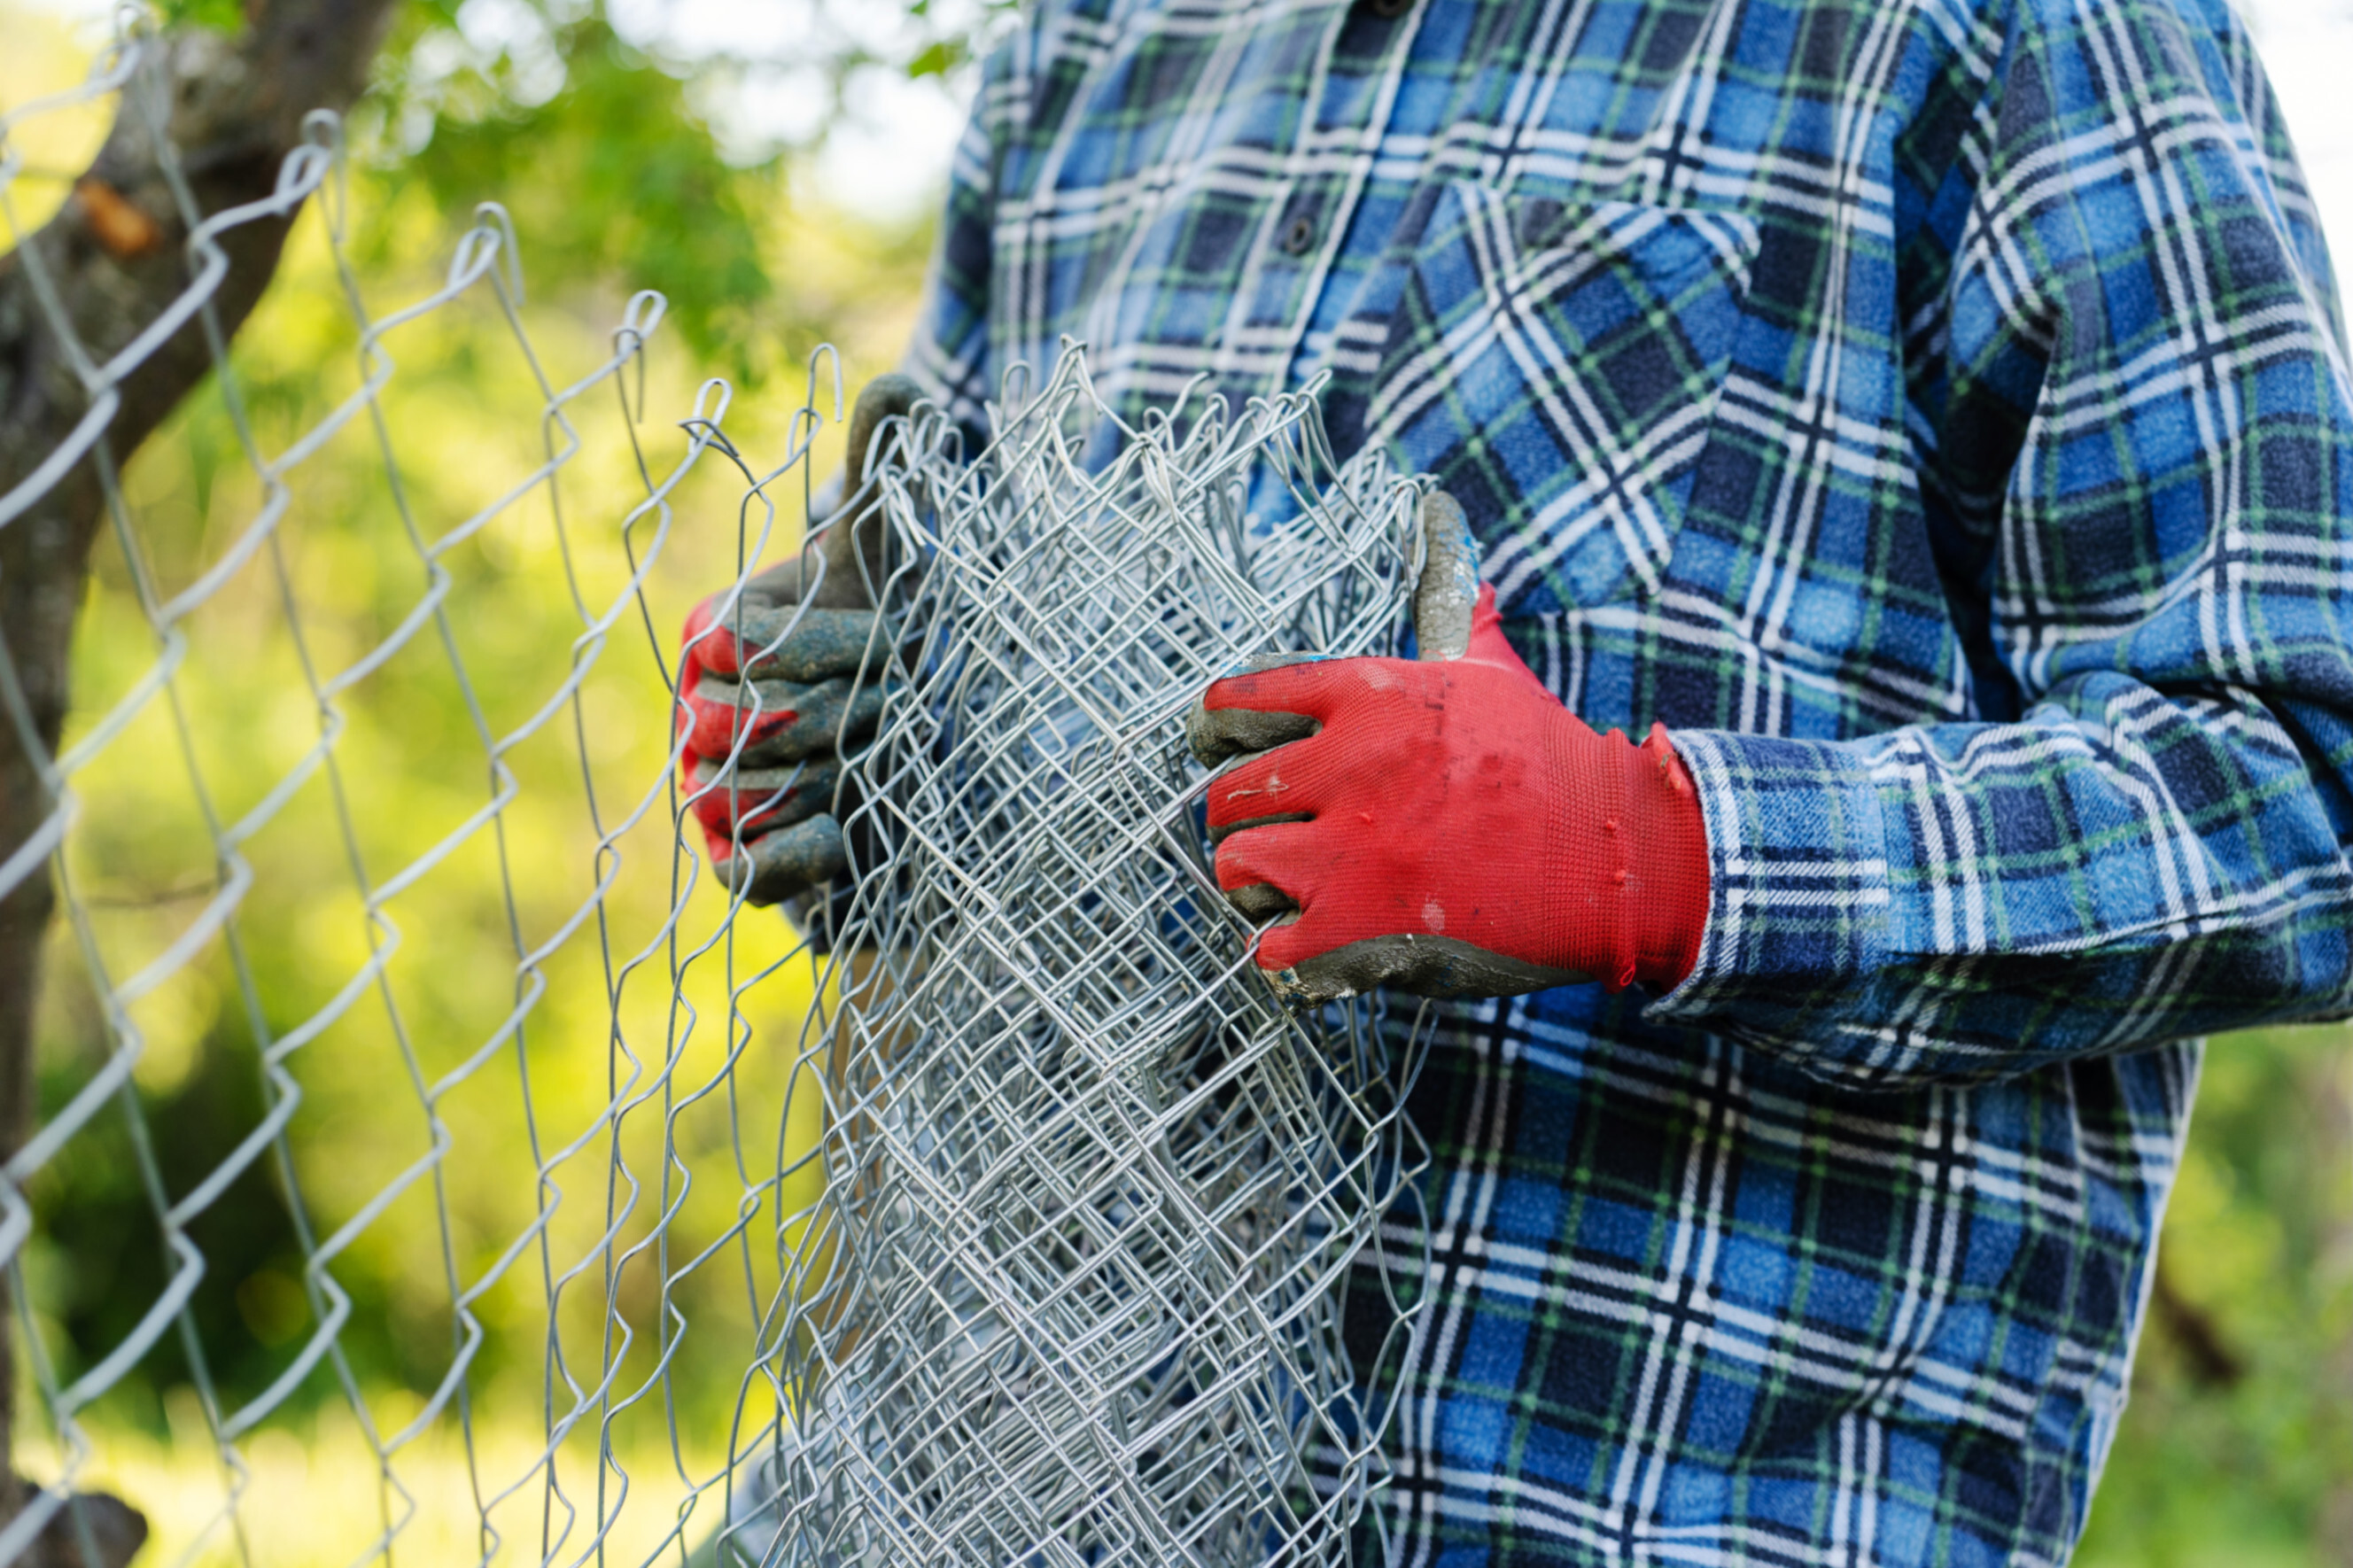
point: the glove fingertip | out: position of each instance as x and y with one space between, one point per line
791 861
1318 978
1216 734
705 644
1298 678
1311 986
1290 944
709 649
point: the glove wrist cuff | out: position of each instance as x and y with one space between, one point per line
1668 890
1628 887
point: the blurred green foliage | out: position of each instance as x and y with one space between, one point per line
615 178
615 181
2236 1449
612 172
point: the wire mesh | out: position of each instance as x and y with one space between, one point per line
1011 1232
1091 1193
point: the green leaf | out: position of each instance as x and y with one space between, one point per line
225 17
937 60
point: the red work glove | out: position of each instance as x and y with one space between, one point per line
772 684
1447 828
787 689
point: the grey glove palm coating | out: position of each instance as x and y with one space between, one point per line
806 630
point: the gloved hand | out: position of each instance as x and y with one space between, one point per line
1445 827
776 671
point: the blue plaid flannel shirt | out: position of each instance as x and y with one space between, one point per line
1935 412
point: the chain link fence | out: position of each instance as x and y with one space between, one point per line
382 917
1091 1194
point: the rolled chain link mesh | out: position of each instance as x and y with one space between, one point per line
1010 1217
1091 1193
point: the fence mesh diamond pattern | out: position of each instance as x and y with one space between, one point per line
1003 1223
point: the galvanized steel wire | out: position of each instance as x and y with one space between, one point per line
1091 1194
1072 1290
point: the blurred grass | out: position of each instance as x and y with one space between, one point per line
2236 1450
315 1497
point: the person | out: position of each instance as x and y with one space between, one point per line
1928 423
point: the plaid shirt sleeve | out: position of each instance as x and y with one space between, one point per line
949 355
2132 404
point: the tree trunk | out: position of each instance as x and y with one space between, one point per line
116 258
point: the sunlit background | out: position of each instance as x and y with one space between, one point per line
774 168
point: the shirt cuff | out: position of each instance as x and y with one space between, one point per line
1799 916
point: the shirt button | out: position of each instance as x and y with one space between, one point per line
1387 10
1299 238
